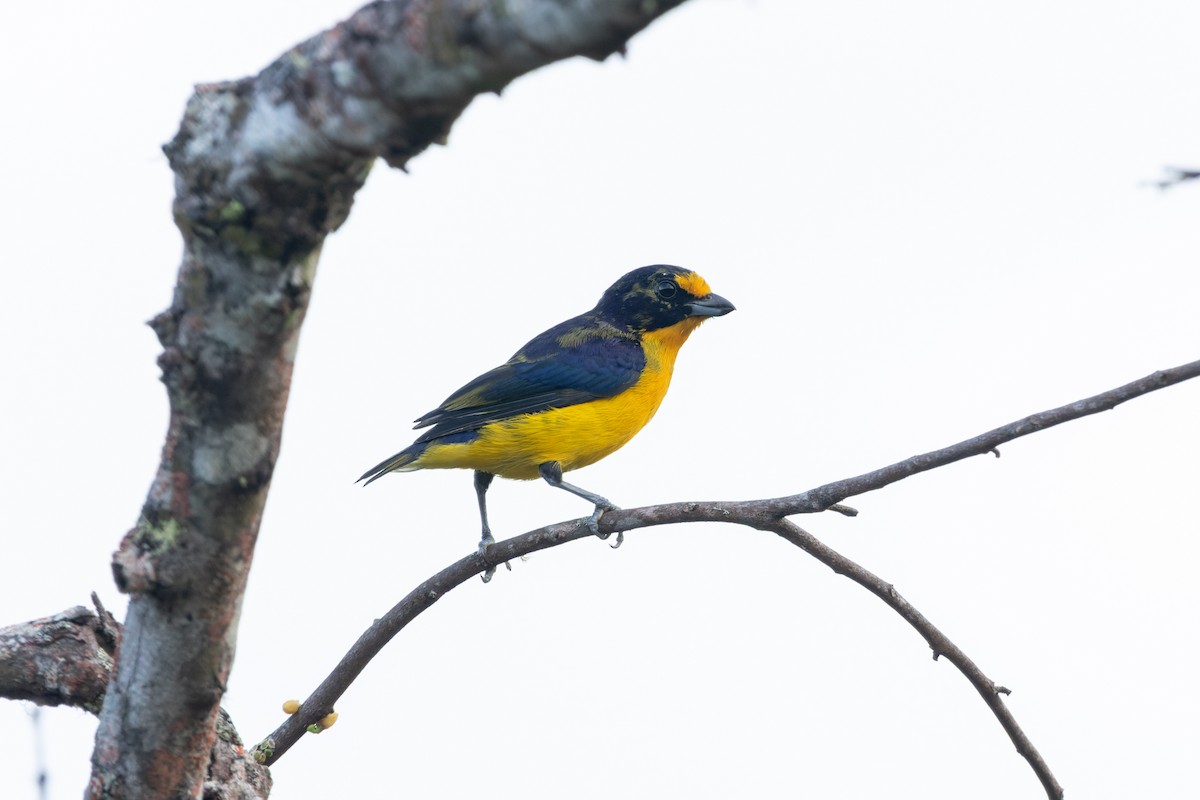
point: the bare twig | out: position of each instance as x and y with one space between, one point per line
823 496
767 515
1175 176
938 642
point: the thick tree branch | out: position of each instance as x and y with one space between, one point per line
63 659
766 515
67 659
233 774
266 168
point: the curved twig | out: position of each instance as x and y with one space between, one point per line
938 642
766 515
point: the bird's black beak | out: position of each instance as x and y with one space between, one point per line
711 305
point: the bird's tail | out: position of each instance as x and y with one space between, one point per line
404 461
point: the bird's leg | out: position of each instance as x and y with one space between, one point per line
551 472
482 481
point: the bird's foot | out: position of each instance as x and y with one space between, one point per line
486 542
593 523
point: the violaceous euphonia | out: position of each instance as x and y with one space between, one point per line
572 395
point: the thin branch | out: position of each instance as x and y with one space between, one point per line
938 642
823 496
766 515
321 701
1174 177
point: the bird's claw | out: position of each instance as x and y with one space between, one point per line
593 523
486 542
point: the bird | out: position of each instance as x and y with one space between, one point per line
571 396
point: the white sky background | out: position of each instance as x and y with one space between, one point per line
933 219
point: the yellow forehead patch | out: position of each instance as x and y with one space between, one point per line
693 284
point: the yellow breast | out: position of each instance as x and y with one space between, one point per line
574 436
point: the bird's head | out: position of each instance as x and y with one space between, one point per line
659 296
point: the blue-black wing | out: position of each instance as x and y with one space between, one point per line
576 361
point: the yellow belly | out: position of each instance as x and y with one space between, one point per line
574 436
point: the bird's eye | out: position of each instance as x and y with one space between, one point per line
666 290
